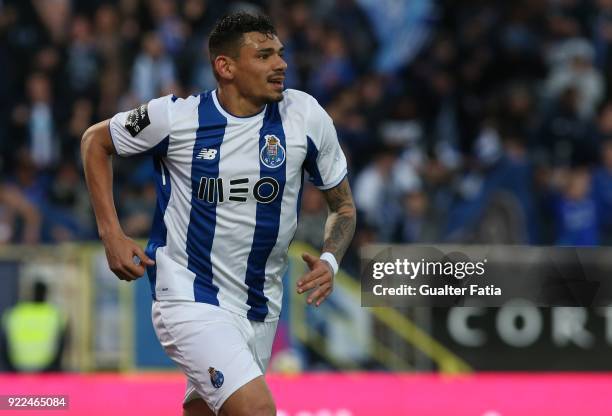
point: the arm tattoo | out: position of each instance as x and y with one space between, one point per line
340 224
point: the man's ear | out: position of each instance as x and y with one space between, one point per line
224 67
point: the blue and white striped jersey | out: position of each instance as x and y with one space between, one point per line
228 193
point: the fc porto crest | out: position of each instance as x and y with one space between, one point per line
216 377
272 153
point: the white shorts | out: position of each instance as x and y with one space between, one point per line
219 351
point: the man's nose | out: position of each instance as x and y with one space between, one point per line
280 64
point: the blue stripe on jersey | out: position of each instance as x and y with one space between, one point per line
299 199
203 217
298 206
310 163
160 149
267 220
158 228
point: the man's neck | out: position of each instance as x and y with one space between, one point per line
236 104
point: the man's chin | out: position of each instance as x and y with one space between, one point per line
276 97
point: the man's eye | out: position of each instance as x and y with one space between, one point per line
263 57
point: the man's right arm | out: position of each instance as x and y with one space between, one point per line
97 150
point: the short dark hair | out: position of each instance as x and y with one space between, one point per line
40 291
226 36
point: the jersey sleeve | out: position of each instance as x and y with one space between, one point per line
325 161
143 130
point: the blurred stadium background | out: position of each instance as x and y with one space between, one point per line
463 122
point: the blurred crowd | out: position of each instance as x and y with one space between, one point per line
471 121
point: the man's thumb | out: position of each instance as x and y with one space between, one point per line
309 259
144 258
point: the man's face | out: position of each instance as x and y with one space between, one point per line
260 68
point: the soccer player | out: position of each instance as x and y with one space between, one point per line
229 168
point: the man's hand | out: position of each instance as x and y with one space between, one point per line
120 252
320 277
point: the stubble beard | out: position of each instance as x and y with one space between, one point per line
277 98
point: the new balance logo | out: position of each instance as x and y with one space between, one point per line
207 154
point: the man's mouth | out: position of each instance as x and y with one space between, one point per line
277 81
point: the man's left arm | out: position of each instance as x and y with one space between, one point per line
339 230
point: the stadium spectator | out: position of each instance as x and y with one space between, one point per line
42 143
417 222
19 219
335 69
34 333
154 73
572 68
565 136
602 191
83 58
576 210
67 215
